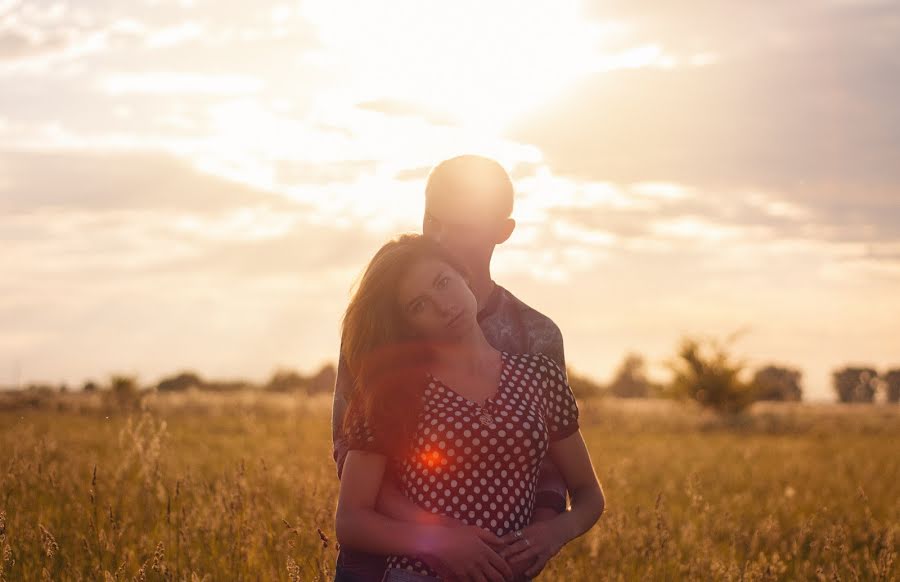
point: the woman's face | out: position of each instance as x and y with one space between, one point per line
435 301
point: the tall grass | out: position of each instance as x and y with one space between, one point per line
245 490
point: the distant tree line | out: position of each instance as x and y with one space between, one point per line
282 380
861 384
703 370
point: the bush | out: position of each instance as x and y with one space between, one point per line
180 383
778 383
854 384
286 381
630 380
124 393
892 385
582 386
705 372
322 382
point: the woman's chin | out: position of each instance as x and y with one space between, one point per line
460 330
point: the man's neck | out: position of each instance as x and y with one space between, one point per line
482 286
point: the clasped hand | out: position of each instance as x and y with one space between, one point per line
468 553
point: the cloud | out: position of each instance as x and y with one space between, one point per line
115 180
802 95
16 44
418 174
751 216
167 83
801 105
300 172
303 250
398 108
763 124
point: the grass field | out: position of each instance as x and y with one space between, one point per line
242 487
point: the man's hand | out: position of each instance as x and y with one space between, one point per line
520 567
538 543
467 552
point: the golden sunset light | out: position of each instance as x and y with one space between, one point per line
672 176
473 291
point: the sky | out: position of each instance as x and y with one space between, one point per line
197 184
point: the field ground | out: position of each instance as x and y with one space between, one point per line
242 487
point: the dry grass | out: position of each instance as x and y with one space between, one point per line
242 487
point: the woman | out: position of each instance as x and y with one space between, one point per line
464 427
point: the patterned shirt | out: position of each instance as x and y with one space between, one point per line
479 464
509 325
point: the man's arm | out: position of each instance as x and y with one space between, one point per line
343 387
550 500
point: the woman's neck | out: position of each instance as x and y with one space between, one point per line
472 351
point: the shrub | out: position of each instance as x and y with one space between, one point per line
582 386
778 383
892 385
180 383
630 380
854 384
704 371
124 393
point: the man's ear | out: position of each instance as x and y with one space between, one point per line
505 230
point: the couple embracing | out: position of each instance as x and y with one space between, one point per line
456 434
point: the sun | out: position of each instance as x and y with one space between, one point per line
480 63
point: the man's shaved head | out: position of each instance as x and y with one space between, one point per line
470 186
468 207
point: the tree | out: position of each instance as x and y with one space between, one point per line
630 380
322 382
582 386
855 384
226 385
286 381
124 392
704 371
778 383
179 383
892 385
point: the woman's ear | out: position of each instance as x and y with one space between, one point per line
505 230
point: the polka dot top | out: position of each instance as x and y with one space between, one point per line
480 464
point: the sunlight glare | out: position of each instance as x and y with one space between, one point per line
480 62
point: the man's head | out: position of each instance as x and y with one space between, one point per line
468 203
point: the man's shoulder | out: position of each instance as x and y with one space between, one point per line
531 317
533 331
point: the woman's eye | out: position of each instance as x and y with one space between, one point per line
443 282
416 307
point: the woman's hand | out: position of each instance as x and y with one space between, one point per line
538 543
468 552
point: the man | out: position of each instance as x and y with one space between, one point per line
468 207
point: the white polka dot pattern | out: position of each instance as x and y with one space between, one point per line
479 472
